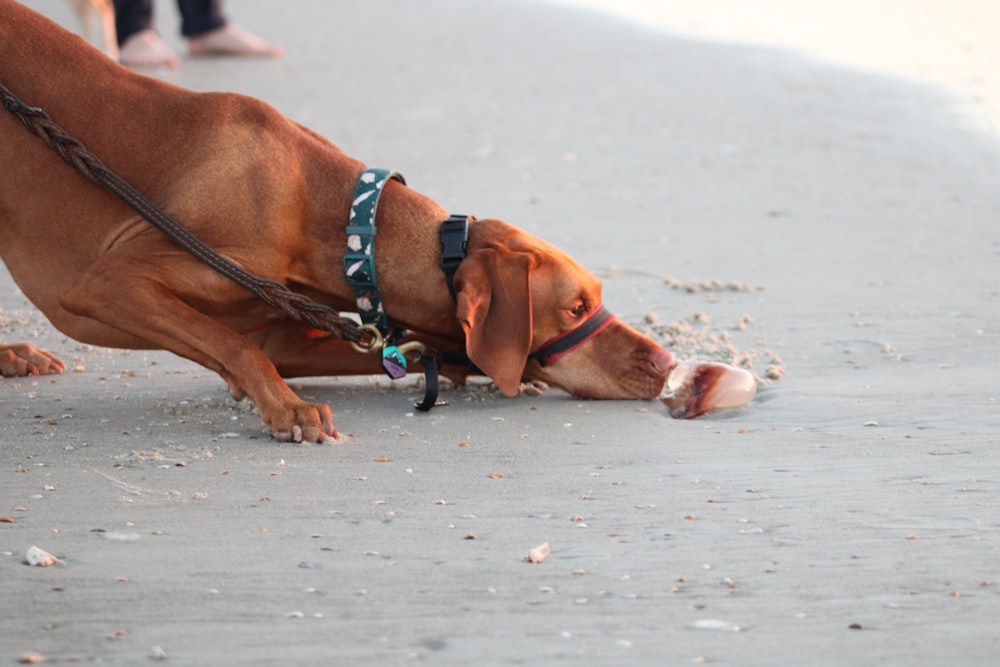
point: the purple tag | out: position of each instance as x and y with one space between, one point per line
393 363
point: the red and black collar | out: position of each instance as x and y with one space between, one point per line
566 342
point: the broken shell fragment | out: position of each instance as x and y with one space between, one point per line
40 557
696 388
539 553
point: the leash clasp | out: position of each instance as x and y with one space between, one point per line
394 357
413 346
375 342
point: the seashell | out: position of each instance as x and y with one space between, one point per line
40 557
539 553
696 388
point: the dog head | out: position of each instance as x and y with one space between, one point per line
517 294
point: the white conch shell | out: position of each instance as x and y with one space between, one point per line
696 388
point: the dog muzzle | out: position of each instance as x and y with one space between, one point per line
568 341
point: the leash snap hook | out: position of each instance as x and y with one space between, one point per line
413 346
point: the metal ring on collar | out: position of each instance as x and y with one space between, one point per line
375 342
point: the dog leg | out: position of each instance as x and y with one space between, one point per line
298 350
146 308
107 13
101 13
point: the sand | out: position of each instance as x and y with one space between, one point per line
809 191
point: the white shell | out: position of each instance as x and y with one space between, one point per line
40 557
696 388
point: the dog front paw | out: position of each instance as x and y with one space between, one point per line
27 359
532 388
302 422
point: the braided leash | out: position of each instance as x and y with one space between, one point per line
271 292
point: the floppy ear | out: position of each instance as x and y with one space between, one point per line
494 306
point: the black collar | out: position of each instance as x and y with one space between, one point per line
454 241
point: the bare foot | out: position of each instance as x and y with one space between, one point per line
26 359
232 40
146 49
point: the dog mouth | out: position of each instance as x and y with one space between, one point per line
602 371
643 379
643 385
648 376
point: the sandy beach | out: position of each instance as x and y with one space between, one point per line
949 45
811 194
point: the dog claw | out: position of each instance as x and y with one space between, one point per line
532 388
302 423
20 359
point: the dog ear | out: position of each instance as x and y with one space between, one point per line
494 306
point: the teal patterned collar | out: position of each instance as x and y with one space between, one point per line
359 272
359 261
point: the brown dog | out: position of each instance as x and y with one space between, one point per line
274 197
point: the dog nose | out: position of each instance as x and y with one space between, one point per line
662 361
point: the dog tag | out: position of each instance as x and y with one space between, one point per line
393 362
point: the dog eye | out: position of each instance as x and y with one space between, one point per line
579 311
